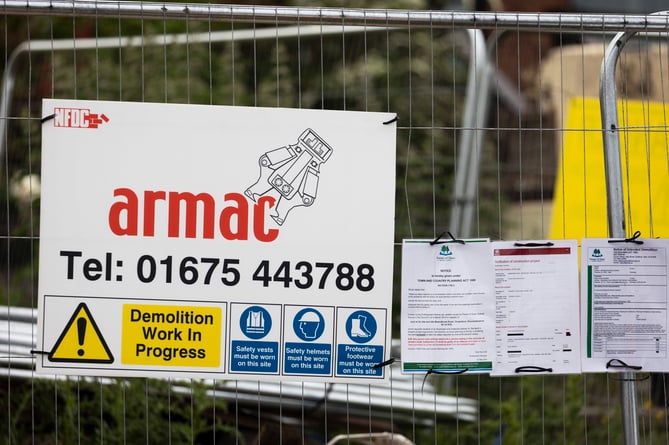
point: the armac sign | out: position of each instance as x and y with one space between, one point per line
222 242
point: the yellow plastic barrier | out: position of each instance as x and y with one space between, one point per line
579 204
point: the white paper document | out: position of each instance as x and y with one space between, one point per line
624 305
447 306
536 307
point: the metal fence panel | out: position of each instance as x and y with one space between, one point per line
492 108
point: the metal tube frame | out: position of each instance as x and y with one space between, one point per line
615 204
616 200
472 135
561 22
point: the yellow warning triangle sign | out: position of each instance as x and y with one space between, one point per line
81 340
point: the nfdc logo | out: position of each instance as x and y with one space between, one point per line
78 118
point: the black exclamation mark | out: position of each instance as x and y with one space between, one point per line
81 332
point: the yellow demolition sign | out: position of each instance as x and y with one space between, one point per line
167 335
580 202
81 341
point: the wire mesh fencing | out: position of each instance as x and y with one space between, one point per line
499 135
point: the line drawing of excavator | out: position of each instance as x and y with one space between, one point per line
290 174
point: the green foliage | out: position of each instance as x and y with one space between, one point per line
112 412
569 409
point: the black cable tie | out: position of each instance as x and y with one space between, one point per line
48 118
432 371
546 244
390 361
35 351
632 239
532 369
438 239
395 119
617 363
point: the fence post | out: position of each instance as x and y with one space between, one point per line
616 204
472 135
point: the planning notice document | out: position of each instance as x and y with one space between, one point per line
624 305
536 301
448 305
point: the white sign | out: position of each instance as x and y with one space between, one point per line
217 242
536 296
624 305
448 305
